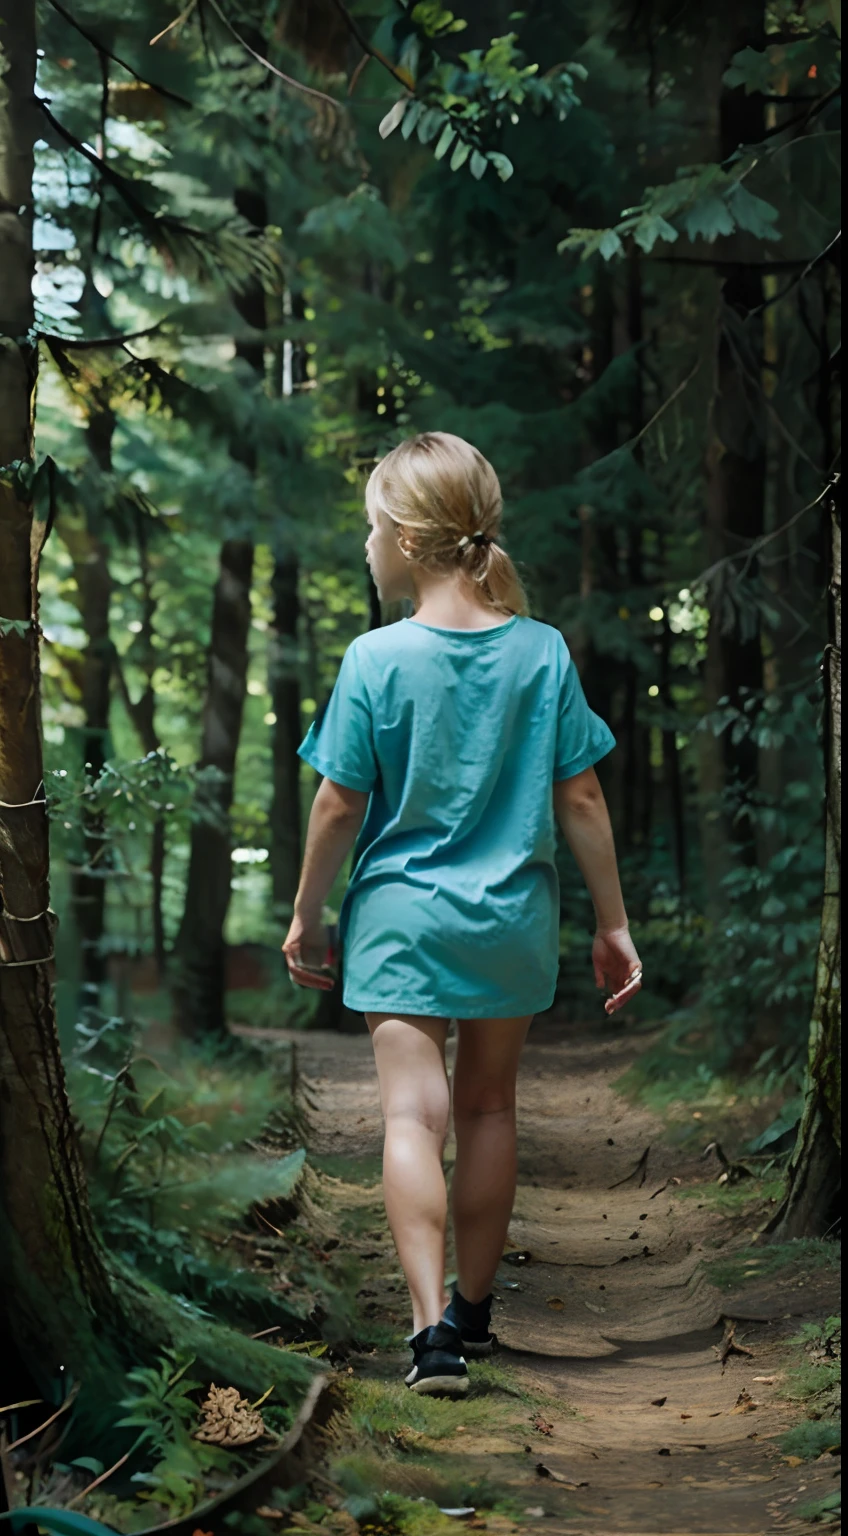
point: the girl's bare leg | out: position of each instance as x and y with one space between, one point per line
410 1056
483 1188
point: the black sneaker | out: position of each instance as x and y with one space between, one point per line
437 1363
472 1318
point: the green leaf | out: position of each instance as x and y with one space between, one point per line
430 124
19 477
89 1464
15 627
446 138
610 245
753 213
708 218
393 117
479 165
502 163
233 1186
460 155
651 228
60 1522
410 118
750 68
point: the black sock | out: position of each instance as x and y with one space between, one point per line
473 1311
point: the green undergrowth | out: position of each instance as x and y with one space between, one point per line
734 1199
804 1254
435 1452
826 1511
815 1382
365 1171
382 1411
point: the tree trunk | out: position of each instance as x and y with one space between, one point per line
93 580
200 949
75 1313
284 687
809 1207
283 661
736 484
201 982
142 713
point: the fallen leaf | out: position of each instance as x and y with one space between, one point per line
593 1308
541 1426
745 1403
767 1381
659 1402
556 1303
794 1461
685 1415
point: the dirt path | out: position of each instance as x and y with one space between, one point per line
609 1378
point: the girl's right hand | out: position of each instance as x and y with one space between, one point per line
307 948
617 965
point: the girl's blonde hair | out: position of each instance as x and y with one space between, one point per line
441 492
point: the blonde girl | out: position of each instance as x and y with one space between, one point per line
450 743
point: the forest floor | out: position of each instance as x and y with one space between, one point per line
609 1408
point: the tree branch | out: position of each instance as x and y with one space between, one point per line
95 42
757 544
374 53
89 343
297 85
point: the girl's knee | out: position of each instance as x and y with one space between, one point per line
431 1112
473 1099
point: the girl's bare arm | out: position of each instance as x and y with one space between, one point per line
581 811
334 821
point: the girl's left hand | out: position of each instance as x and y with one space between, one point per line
307 951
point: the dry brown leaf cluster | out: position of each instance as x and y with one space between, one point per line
228 1419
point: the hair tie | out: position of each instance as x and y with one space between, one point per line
479 538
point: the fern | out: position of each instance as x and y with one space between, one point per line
162 1408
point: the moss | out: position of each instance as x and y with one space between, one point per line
364 1171
756 1263
734 1199
812 1438
826 1511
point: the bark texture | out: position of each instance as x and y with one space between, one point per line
736 484
810 1204
284 687
200 944
82 537
201 952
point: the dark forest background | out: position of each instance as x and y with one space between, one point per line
600 241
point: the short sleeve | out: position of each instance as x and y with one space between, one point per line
340 744
583 738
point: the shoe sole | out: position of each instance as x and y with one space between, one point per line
444 1386
478 1351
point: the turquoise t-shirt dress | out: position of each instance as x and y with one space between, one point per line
452 907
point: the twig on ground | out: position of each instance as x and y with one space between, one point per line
662 1187
641 1167
730 1345
98 1480
47 1422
